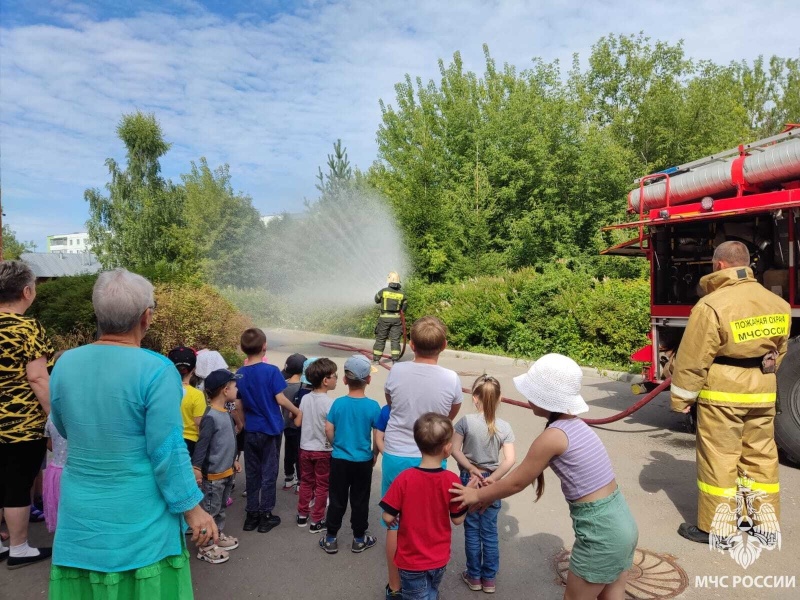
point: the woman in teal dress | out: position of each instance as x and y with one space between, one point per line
128 480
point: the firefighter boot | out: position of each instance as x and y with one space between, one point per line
692 533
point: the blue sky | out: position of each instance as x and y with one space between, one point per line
269 86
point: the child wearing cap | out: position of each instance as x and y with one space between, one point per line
214 460
605 531
193 405
351 421
291 433
207 361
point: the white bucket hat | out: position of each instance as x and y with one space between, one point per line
553 383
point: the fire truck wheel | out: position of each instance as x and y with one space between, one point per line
787 424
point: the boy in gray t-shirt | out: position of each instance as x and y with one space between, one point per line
214 460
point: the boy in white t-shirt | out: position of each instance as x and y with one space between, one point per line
413 389
315 449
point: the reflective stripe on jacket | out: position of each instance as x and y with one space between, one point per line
391 299
738 318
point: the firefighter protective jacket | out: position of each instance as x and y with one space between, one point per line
392 300
738 319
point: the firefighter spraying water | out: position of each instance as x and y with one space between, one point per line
391 319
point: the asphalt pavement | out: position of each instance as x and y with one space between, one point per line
654 460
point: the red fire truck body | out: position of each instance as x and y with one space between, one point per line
750 194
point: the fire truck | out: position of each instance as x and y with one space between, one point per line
750 194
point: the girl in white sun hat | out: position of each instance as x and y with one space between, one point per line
605 531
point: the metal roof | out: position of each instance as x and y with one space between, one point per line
61 264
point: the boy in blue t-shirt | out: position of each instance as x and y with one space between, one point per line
261 390
351 420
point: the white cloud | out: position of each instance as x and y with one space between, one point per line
270 95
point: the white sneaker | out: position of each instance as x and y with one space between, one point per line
288 484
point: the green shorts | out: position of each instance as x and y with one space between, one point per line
605 538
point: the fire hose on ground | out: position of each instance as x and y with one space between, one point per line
604 421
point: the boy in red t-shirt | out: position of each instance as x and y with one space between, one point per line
421 496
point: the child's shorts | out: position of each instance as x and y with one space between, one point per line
605 538
391 467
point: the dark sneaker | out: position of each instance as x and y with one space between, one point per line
390 593
16 562
267 522
301 521
692 533
330 545
251 521
473 583
489 585
364 543
317 527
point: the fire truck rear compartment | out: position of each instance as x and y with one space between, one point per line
683 254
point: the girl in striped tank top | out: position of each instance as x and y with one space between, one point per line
605 531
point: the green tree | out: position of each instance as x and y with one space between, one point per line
12 247
134 226
339 172
520 168
219 227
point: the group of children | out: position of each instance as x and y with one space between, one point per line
332 445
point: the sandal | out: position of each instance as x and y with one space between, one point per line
212 554
36 516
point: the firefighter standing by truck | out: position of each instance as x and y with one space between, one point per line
735 338
393 302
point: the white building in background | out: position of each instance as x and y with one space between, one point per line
265 219
70 243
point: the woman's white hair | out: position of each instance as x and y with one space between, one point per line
119 298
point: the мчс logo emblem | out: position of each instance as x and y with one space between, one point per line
745 533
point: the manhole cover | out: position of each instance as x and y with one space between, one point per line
652 576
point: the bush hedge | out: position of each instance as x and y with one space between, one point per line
562 308
193 316
186 314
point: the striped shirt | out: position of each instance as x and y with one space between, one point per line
584 467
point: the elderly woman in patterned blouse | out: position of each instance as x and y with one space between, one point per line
24 404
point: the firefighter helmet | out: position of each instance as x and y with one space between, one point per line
393 277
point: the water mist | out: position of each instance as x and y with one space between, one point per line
336 255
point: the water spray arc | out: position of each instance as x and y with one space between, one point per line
333 256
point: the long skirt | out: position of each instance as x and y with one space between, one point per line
167 579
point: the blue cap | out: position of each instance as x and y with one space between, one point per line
308 361
216 379
358 366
